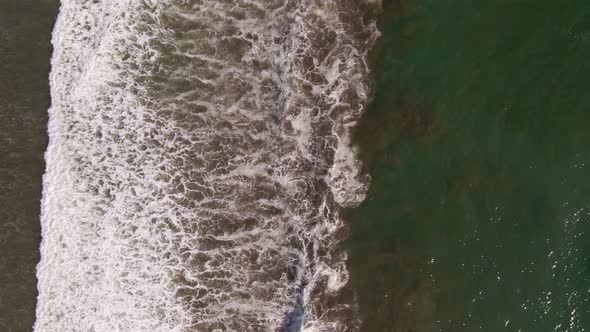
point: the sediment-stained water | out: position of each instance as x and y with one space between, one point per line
199 155
25 31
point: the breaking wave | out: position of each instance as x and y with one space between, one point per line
199 154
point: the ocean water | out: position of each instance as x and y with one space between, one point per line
477 139
25 29
199 156
201 153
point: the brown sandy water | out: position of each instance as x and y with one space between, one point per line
25 29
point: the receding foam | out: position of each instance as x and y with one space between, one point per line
199 154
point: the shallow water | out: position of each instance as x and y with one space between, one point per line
476 219
25 28
199 156
477 140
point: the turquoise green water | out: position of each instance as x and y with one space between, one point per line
478 142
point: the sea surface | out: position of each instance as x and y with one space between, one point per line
477 141
276 165
25 31
198 160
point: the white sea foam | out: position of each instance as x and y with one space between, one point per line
199 154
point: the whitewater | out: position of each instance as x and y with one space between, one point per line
199 156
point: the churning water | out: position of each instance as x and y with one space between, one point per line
199 154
